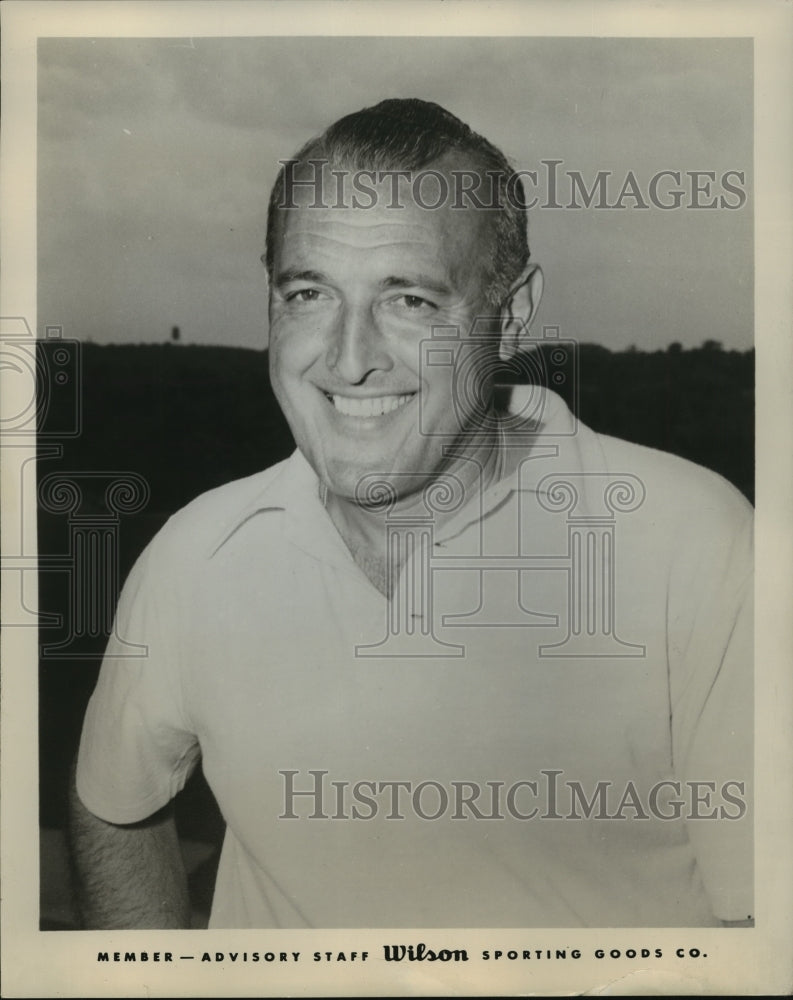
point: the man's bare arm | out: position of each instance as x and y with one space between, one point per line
128 876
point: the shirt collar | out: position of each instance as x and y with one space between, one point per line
525 444
292 487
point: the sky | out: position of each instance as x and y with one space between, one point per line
156 158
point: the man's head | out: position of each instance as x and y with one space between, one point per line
397 220
411 135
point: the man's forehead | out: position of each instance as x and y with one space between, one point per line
374 225
445 180
373 208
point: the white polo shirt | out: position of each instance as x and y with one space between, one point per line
501 744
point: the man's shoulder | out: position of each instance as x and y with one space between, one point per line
674 487
204 521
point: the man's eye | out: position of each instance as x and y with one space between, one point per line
304 295
414 303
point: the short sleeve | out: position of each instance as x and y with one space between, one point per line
137 747
712 711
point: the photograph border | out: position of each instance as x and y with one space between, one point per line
760 959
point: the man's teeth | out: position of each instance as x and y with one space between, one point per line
376 406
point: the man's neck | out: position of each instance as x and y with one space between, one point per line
364 528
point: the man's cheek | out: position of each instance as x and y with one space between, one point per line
286 361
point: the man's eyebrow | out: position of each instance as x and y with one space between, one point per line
417 281
292 274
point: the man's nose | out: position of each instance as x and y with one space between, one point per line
358 347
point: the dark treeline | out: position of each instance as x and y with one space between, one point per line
188 418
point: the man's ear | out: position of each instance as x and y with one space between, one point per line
518 311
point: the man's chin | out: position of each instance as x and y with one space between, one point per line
367 485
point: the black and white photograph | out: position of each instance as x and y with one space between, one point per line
395 443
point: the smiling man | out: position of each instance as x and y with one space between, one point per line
448 665
356 290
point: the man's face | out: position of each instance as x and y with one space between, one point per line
354 293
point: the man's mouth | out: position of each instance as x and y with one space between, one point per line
368 406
